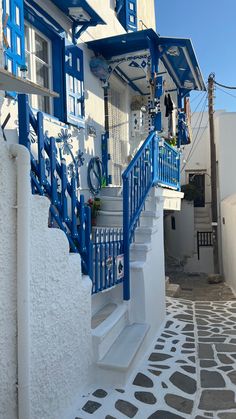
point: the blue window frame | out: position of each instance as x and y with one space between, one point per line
74 84
67 59
13 16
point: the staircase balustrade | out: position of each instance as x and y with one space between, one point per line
104 251
155 163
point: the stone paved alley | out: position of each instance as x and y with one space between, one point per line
190 372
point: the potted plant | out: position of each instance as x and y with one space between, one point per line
95 205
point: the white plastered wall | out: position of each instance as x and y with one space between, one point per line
60 310
228 229
179 242
148 278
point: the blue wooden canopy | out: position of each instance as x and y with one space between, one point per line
67 5
177 54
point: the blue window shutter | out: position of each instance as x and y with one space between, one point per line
14 33
74 75
131 15
127 14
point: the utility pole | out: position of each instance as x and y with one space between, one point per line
214 205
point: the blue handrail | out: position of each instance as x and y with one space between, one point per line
156 163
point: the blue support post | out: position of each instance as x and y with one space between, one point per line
52 157
41 161
74 231
126 239
24 120
82 228
155 149
64 209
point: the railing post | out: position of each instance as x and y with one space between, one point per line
24 120
41 161
126 239
155 150
178 170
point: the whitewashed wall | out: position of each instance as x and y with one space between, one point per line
225 127
228 229
8 355
60 310
180 242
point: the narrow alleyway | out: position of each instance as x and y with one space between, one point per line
190 372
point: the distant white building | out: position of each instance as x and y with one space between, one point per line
194 220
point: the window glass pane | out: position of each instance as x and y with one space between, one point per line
72 105
27 43
42 74
78 88
78 64
8 7
70 59
71 81
79 109
41 48
131 6
9 36
27 62
131 18
17 11
18 45
44 104
9 65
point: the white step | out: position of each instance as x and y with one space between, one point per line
139 251
124 349
147 218
110 219
112 203
111 191
144 234
105 334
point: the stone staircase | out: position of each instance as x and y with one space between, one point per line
118 339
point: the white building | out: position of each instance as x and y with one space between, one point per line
195 216
108 104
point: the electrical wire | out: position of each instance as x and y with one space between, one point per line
226 87
227 93
196 136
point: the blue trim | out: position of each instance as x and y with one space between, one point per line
64 5
127 14
35 14
174 52
74 76
53 33
14 60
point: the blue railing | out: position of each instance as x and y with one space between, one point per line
168 166
156 163
101 250
107 258
49 177
104 252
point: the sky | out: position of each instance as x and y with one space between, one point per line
211 25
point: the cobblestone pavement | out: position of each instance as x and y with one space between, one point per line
195 287
189 373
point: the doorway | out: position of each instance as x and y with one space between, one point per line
198 180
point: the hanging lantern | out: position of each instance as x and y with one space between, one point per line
99 68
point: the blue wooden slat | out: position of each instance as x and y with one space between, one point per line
52 159
41 160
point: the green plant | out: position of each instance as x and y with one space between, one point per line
191 193
95 205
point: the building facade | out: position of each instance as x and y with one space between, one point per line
92 122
